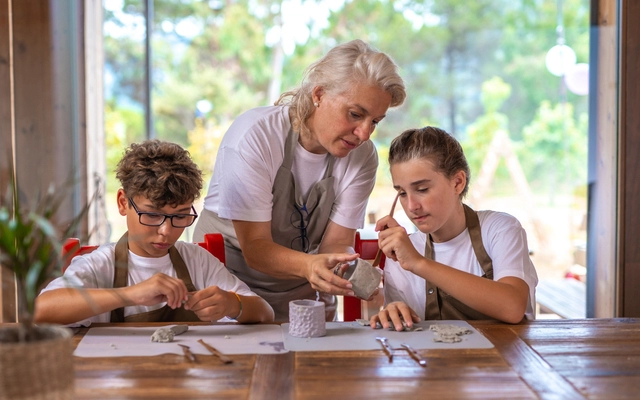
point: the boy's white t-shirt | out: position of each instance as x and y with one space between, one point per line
503 238
95 271
250 155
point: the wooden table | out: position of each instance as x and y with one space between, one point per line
551 359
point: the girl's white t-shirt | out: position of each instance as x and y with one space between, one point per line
503 238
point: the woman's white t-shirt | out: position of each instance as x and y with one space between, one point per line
250 155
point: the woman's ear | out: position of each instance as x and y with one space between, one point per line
317 93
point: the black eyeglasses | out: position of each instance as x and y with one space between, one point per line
299 220
157 219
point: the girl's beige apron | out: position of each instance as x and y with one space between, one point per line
440 305
163 314
288 213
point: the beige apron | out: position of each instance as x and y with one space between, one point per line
163 314
442 306
287 215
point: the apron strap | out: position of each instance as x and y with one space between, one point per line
433 303
473 224
121 274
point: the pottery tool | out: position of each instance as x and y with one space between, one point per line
187 353
378 258
414 355
385 347
215 352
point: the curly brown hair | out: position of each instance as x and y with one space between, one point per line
163 172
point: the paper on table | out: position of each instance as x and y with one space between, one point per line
136 341
343 336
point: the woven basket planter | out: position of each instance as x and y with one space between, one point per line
41 369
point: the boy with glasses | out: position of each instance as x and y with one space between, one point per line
148 275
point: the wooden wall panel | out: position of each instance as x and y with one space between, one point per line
602 268
629 159
47 108
7 290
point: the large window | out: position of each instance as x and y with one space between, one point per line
507 78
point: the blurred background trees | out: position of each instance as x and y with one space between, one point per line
470 67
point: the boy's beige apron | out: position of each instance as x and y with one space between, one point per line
440 305
285 221
163 314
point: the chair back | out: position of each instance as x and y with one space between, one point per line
367 248
71 248
214 243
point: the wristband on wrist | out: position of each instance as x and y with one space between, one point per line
240 302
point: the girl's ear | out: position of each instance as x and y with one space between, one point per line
459 181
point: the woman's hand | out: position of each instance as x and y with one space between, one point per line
395 313
322 278
395 243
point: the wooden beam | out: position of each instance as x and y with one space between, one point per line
629 160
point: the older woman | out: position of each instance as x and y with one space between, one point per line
291 181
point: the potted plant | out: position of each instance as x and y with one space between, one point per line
36 360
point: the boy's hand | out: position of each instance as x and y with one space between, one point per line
396 312
157 289
213 303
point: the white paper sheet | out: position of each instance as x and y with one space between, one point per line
343 336
136 341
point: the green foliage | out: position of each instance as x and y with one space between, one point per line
29 243
555 147
481 132
447 51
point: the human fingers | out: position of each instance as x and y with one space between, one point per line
393 316
382 317
385 223
322 277
408 315
173 290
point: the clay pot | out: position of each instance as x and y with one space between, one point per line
307 318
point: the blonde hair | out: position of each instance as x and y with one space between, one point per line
343 66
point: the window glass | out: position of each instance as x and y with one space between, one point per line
483 70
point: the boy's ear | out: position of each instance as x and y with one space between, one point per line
123 202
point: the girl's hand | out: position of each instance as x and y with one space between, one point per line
395 312
395 243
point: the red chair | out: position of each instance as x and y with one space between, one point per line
367 248
71 248
214 243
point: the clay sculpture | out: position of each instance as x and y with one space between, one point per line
167 333
364 277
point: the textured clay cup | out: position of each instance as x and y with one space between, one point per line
306 318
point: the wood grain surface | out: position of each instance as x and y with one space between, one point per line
554 359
